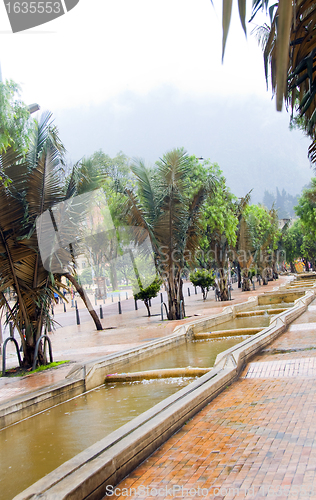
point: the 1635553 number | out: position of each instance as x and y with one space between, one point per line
34 7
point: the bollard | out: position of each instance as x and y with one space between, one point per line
136 308
149 302
119 307
64 307
119 297
11 329
161 298
253 285
101 312
189 292
126 296
95 300
195 290
77 315
112 296
72 303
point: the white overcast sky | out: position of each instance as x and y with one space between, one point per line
118 63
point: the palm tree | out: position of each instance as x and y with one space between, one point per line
171 216
289 45
29 187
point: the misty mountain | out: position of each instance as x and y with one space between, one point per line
249 140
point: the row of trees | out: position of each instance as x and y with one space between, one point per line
192 221
299 240
154 224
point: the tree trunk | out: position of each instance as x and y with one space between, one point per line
292 267
86 301
238 275
246 285
113 276
223 285
306 264
28 355
146 302
175 294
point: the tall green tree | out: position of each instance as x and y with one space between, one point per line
37 186
264 234
105 248
149 292
306 210
219 223
204 279
292 240
15 120
306 207
162 205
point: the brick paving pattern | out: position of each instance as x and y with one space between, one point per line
299 367
255 440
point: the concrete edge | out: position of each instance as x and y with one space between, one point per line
22 407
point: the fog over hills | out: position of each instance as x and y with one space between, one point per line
249 140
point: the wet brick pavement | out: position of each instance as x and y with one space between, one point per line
255 440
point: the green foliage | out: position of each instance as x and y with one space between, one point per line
104 245
15 120
149 292
292 240
85 277
218 208
264 234
299 240
306 207
204 279
37 186
218 221
18 372
171 212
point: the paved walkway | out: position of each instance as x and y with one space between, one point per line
255 440
83 343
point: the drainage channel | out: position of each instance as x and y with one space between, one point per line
34 447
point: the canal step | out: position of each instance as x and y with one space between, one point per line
228 333
261 312
152 374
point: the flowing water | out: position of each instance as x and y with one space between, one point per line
36 446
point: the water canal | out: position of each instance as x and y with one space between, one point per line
34 447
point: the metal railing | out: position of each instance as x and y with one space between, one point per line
46 339
4 351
